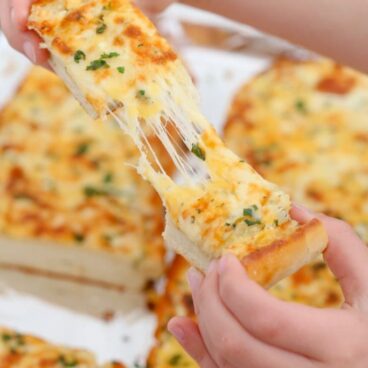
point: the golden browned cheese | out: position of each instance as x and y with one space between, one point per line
25 351
66 179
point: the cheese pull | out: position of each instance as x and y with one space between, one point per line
117 65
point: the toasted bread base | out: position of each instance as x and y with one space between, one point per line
268 265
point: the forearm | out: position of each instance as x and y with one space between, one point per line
334 28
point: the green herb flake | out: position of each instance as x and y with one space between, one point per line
142 92
121 69
110 55
248 212
98 64
79 55
175 360
6 337
198 151
82 149
101 28
79 238
108 178
67 363
90 191
252 222
140 45
301 106
276 222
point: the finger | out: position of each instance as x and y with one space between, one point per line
227 341
19 11
292 327
301 214
187 333
347 257
33 51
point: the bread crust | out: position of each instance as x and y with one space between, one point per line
269 264
283 257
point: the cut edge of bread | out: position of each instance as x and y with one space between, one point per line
269 264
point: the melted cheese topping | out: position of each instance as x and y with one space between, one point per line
320 110
65 179
234 209
24 351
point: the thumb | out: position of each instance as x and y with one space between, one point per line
346 255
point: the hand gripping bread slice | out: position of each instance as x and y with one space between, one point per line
116 64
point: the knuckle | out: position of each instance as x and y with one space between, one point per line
267 325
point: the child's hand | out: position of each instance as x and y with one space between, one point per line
13 21
241 325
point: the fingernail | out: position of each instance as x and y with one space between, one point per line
194 279
177 331
30 51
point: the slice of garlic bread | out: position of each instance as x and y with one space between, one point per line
25 351
320 109
70 208
116 63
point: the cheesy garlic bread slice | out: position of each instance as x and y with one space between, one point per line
70 209
320 109
25 351
116 64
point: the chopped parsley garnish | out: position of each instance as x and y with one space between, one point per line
110 55
121 69
248 212
79 55
276 222
175 359
98 64
198 151
101 28
142 92
67 363
82 149
252 222
6 337
301 106
79 237
140 45
90 191
108 178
